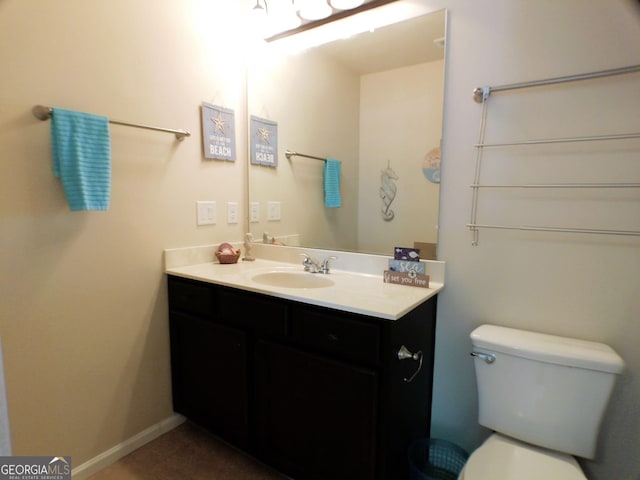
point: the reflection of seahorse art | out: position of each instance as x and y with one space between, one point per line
387 192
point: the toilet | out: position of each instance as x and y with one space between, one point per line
544 397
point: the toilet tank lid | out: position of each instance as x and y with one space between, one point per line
548 348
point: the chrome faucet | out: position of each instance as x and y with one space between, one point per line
312 265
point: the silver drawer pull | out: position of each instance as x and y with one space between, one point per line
487 357
405 354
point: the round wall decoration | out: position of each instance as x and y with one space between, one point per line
431 165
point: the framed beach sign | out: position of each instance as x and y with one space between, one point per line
264 141
218 132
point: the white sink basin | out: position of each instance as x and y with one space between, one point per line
293 279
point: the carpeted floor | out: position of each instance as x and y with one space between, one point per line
187 452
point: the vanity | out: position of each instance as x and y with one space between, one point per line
312 377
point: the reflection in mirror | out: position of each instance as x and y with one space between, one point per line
374 102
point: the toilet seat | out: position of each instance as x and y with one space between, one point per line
503 458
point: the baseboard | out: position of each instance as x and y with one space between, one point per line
105 459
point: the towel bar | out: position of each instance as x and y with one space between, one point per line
42 112
480 94
289 154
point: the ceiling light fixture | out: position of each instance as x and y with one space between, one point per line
285 17
314 9
258 8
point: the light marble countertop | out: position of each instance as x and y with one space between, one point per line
356 288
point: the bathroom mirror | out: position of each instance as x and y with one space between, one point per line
374 102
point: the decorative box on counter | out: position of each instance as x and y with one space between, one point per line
407 254
405 268
406 278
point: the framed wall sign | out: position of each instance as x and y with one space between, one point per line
264 141
218 132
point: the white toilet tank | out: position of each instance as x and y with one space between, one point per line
543 389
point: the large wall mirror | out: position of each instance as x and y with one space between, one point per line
374 102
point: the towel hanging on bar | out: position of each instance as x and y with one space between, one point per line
332 197
81 148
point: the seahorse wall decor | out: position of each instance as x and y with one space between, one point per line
388 191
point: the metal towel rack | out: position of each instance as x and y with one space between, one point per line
42 112
290 153
481 95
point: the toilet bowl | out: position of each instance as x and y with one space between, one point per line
504 458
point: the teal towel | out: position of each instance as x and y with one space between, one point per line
332 183
82 158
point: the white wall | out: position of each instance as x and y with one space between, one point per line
83 308
5 434
82 297
558 283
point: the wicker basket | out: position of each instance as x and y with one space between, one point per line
228 258
223 255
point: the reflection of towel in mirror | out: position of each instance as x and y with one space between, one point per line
332 183
82 158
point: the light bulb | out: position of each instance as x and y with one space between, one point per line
314 9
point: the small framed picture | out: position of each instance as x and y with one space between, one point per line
264 141
218 132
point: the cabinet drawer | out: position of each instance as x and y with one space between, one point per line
256 312
192 297
339 335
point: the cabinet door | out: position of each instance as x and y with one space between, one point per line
209 368
315 417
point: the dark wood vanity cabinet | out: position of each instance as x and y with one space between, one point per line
209 369
209 364
315 417
317 393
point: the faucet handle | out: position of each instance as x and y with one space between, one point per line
308 262
325 263
306 258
